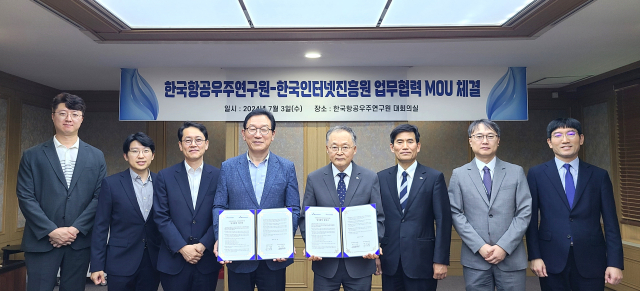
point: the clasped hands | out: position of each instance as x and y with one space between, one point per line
492 254
63 236
192 253
215 252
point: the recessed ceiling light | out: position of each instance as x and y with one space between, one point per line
312 55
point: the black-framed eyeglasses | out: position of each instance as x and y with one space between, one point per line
189 141
479 137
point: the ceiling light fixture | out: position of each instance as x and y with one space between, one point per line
312 55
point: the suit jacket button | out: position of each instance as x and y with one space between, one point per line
490 215
568 236
143 240
571 219
403 220
63 217
194 222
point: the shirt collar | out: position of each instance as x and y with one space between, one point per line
59 144
491 165
135 175
196 169
265 161
346 171
410 170
574 164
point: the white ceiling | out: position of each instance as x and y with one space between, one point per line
37 45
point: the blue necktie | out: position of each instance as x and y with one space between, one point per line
486 180
403 190
342 188
569 187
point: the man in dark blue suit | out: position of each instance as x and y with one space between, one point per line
415 199
568 250
258 179
182 207
125 239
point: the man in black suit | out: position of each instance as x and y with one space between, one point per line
415 199
568 250
58 185
183 211
124 216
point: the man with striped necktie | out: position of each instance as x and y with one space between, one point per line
58 185
414 197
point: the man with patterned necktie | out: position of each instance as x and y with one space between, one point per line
491 208
568 250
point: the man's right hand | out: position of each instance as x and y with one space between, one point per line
190 254
312 257
485 251
61 236
215 252
538 267
98 278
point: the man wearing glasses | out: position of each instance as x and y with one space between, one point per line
491 208
182 208
343 183
58 185
258 179
568 250
124 219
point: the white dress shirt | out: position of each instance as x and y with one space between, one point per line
194 181
347 171
491 165
410 174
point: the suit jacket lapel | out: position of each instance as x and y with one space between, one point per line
474 176
183 183
52 155
584 173
392 182
81 160
331 185
273 170
245 175
205 181
499 173
127 185
554 176
354 181
419 176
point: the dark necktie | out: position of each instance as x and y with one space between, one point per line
342 188
569 186
486 180
403 190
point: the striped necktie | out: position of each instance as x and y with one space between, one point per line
403 190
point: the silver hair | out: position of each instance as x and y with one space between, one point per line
342 128
487 123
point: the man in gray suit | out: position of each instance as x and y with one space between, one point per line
58 185
342 183
491 209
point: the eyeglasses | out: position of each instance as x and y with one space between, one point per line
253 130
64 114
136 152
479 137
569 135
188 142
335 149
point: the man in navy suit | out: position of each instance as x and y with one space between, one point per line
568 250
125 239
58 185
415 199
258 179
182 207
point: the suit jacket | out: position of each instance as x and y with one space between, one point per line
119 218
235 191
48 203
363 189
410 235
181 225
559 222
501 221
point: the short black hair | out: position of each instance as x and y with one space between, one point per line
563 122
487 123
142 138
404 128
260 111
187 124
71 101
